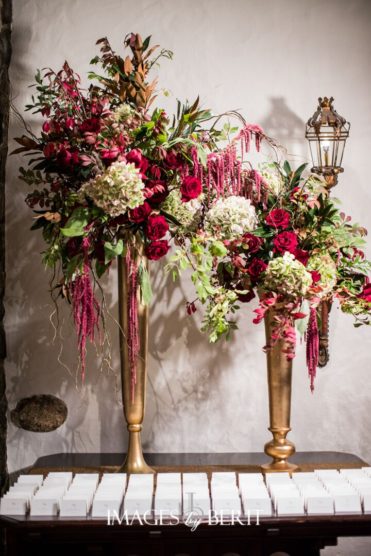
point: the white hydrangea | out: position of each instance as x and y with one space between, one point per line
272 177
123 112
118 189
288 276
230 217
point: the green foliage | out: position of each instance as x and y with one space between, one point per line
77 222
145 285
111 250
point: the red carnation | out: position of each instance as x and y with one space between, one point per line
139 214
285 241
302 256
46 126
278 218
136 157
366 293
190 189
256 267
156 191
253 242
157 249
90 125
316 276
156 226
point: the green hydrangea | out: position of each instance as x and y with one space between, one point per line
288 276
326 267
187 214
117 190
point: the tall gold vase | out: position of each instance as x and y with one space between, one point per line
279 389
134 406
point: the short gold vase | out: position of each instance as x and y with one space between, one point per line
133 402
279 390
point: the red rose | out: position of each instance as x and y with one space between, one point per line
67 158
156 226
253 242
316 276
366 293
49 150
140 213
190 189
285 241
173 161
302 256
278 218
256 268
157 249
135 156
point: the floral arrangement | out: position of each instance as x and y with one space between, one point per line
113 177
281 239
106 168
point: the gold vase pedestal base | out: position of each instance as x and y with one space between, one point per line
280 449
134 461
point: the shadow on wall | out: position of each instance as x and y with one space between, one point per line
178 388
287 128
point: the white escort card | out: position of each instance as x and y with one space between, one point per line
109 495
139 494
287 499
78 499
34 479
196 495
46 500
168 496
224 494
254 494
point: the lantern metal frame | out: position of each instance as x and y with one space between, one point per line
327 133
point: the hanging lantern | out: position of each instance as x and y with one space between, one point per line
327 133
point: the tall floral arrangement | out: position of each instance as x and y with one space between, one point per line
106 169
273 234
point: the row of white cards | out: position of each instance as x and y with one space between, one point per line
322 492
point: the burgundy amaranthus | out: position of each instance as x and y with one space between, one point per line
133 322
224 172
312 346
86 309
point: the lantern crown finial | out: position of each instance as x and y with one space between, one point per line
326 115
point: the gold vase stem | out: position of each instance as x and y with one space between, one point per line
279 390
133 401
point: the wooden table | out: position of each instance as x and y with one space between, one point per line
297 536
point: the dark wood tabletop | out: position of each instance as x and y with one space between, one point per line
297 536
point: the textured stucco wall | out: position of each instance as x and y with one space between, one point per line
271 59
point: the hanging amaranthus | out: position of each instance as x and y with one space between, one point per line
133 340
224 172
86 309
312 346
